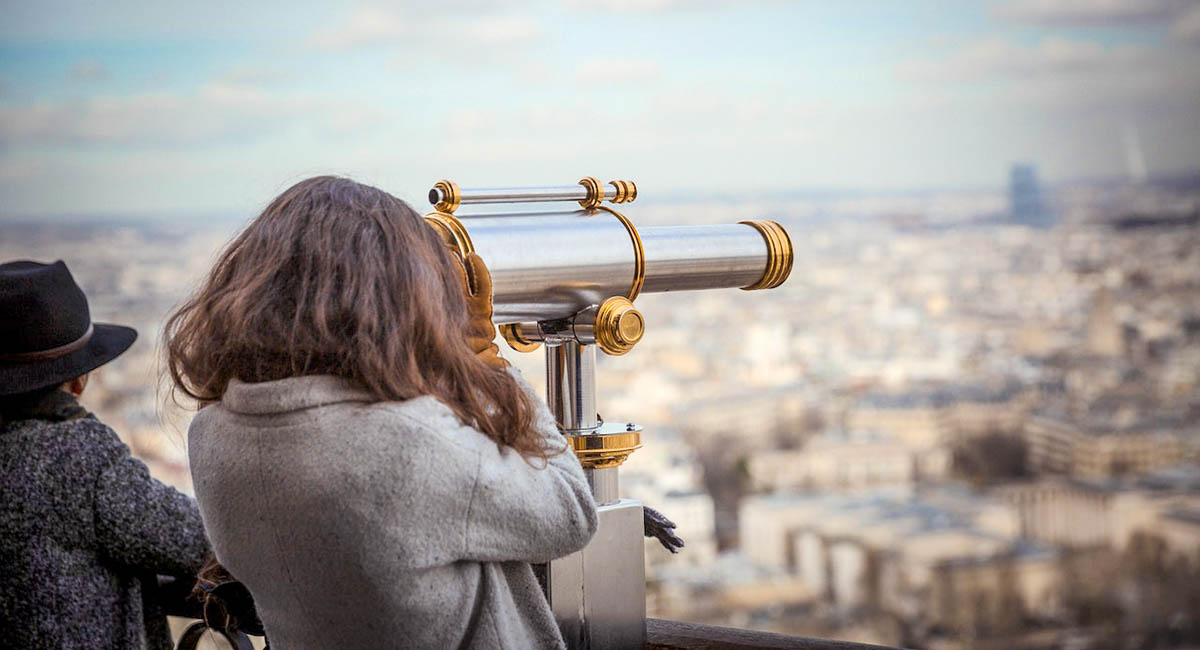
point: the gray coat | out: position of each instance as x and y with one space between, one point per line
84 532
364 524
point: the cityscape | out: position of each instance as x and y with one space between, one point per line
969 419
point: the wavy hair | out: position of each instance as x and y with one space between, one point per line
340 278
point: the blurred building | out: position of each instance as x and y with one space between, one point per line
1107 513
1106 444
847 461
917 556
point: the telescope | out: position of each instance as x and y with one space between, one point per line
566 276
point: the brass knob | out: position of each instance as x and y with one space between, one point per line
450 196
619 326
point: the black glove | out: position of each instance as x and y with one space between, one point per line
658 526
230 606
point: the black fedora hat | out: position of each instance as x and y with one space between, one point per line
47 335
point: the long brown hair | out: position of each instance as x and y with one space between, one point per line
340 278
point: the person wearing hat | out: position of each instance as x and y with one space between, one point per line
85 532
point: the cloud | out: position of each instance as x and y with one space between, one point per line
641 6
371 25
998 58
500 31
626 5
216 112
366 25
254 74
1088 12
603 72
89 71
469 122
667 126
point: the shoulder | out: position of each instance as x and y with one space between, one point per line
63 453
380 430
426 420
85 437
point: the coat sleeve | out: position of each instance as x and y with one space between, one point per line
143 524
526 510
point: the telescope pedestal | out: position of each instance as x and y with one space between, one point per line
598 595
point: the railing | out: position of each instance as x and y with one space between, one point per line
677 635
661 635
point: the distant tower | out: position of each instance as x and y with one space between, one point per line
1135 158
1025 197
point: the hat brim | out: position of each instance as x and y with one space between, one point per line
107 343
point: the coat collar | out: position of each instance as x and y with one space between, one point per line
53 404
291 394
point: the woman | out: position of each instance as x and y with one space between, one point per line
367 463
85 532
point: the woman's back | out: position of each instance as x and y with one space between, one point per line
358 523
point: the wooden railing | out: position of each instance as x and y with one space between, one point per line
661 635
677 635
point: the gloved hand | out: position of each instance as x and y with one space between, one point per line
229 606
658 526
477 286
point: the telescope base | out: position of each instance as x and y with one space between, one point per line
598 595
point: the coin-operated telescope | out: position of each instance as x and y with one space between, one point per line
567 278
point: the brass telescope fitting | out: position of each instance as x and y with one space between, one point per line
626 191
619 326
512 335
449 199
779 254
595 192
639 252
603 448
452 231
615 326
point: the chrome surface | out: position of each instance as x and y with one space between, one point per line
690 258
571 386
551 265
605 484
598 595
580 328
483 195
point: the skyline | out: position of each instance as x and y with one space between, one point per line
174 109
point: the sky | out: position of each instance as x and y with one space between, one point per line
183 110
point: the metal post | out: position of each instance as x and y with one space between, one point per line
598 595
571 386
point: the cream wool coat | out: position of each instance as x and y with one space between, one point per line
362 524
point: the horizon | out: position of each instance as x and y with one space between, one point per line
646 198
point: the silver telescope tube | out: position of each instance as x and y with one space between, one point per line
551 265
